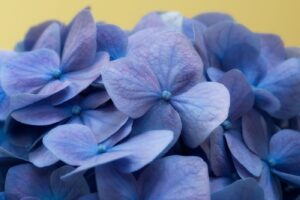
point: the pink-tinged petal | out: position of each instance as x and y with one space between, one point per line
50 38
255 133
143 149
246 189
71 143
283 82
285 151
242 154
175 177
68 189
41 115
132 86
113 184
270 184
171 57
27 181
42 157
104 122
202 109
241 94
80 47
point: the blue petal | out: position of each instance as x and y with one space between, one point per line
42 157
246 189
283 82
113 184
143 149
202 109
68 189
72 143
112 39
175 177
212 18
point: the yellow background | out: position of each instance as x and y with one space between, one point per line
276 16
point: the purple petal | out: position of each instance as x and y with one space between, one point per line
212 18
214 73
41 115
161 117
80 46
285 151
220 162
42 157
132 86
202 109
273 49
98 160
50 38
242 154
143 149
171 57
103 122
112 39
32 73
27 181
35 32
246 189
270 184
283 82
219 183
241 95
265 100
112 184
95 100
118 136
255 133
72 143
4 105
175 177
68 189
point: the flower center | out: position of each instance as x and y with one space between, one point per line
166 95
101 148
76 110
56 74
271 162
227 125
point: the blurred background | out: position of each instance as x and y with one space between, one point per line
274 16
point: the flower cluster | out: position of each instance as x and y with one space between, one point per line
175 109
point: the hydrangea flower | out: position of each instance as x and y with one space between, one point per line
77 145
265 157
163 72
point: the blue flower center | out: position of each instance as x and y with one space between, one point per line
56 74
101 148
227 125
166 95
271 162
76 110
